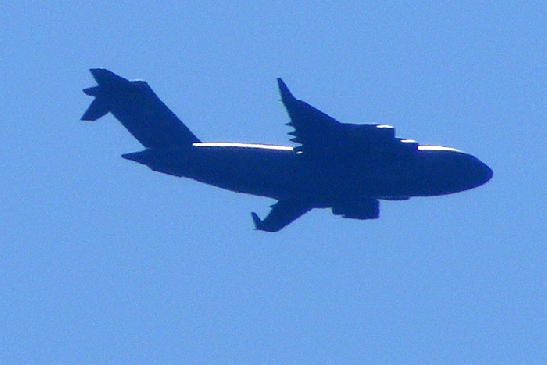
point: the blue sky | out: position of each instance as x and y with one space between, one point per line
105 261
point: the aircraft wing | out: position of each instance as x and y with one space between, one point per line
313 129
282 214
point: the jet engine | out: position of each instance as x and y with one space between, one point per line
358 209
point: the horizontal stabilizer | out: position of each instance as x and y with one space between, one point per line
108 78
97 109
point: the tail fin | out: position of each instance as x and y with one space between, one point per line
138 108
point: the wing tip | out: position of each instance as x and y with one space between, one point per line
259 224
256 220
284 90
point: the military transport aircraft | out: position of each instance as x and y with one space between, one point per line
345 167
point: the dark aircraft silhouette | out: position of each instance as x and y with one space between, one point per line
345 167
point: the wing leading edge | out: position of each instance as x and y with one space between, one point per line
313 129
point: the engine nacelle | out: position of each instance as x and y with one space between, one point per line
358 209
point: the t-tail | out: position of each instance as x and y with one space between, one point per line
139 109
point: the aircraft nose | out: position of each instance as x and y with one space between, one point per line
470 171
487 172
483 173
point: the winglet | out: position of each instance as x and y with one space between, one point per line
261 226
106 80
286 95
257 222
283 213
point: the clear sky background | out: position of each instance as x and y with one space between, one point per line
105 261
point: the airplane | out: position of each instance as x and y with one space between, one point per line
348 168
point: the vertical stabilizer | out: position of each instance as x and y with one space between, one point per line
138 108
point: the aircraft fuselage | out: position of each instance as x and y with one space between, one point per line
281 173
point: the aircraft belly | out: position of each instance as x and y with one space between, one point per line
287 175
283 174
275 174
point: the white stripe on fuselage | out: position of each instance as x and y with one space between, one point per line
243 145
289 148
436 148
